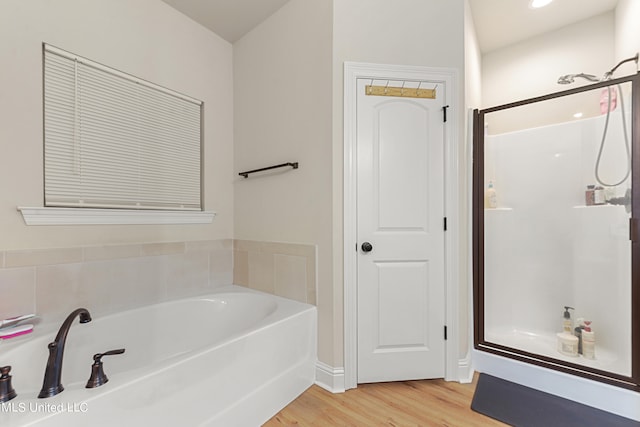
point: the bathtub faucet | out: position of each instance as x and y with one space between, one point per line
52 375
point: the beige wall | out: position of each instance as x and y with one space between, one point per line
145 38
473 97
532 67
627 34
282 113
472 62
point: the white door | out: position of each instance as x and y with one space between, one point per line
400 213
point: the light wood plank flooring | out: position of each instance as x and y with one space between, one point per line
400 404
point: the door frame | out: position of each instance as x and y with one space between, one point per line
449 77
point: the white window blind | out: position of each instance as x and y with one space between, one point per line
115 141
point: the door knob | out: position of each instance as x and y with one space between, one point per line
366 247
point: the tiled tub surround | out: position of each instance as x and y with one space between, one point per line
284 269
109 279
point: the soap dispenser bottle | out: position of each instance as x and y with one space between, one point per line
567 342
490 197
567 325
588 341
577 331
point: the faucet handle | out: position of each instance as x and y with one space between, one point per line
98 356
6 390
98 377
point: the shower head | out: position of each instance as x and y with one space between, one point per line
569 78
609 73
566 79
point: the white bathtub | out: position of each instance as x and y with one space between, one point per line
231 358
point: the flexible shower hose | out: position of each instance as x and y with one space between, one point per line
604 137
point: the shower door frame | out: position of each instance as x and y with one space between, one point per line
632 382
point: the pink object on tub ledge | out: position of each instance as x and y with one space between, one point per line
16 331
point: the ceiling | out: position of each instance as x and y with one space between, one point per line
230 19
498 22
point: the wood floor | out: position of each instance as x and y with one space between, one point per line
399 404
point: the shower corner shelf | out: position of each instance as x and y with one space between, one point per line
498 209
593 206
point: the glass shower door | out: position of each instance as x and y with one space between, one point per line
552 212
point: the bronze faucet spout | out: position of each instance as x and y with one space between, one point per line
52 383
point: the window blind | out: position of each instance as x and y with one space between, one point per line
112 140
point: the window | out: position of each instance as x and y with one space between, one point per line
112 140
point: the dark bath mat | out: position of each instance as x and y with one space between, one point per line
522 406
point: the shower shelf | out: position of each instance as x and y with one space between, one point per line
498 209
594 206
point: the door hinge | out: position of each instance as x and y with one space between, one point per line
445 332
444 223
444 113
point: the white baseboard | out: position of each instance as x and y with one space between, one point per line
330 378
465 370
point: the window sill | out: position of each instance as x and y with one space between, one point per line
85 216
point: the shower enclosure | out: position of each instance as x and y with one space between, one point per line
556 207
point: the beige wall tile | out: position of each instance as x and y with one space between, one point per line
291 277
312 279
138 282
42 257
247 245
221 267
275 247
187 274
17 292
168 248
59 291
261 273
106 279
289 249
209 245
241 268
100 285
311 297
293 268
99 253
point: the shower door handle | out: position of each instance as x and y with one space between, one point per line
367 247
633 230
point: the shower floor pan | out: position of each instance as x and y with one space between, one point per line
545 344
